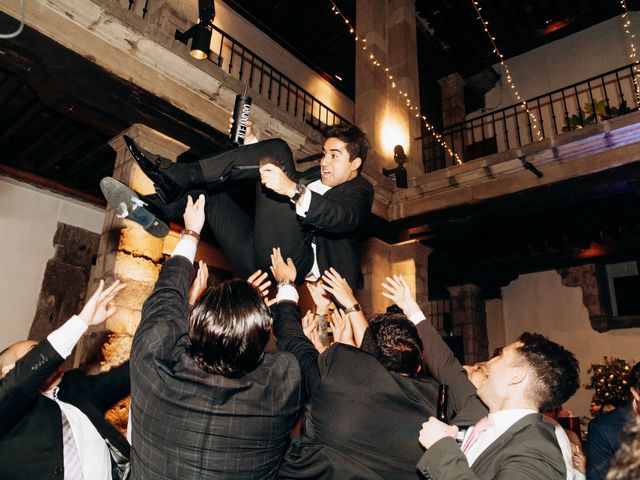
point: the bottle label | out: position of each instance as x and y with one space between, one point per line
244 118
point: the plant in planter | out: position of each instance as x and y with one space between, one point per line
591 111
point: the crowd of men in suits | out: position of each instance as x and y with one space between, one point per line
209 400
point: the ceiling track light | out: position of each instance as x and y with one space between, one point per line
200 33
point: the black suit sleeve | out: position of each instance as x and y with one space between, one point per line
21 386
165 314
343 211
446 368
104 389
291 338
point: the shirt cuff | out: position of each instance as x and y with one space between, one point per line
417 317
67 335
186 247
287 293
303 204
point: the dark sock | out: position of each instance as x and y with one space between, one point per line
186 175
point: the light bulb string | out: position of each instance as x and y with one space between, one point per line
626 25
492 39
361 45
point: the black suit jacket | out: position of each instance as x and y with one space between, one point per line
30 423
188 423
336 220
604 441
362 421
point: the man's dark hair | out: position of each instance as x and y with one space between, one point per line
357 142
394 341
229 327
557 373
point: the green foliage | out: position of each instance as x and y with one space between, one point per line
609 380
592 111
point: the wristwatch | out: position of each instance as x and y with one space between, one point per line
300 191
354 308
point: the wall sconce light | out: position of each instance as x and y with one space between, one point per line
200 33
400 173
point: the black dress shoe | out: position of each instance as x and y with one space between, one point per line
127 204
166 188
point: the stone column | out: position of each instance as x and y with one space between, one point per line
379 260
128 253
389 27
453 110
468 318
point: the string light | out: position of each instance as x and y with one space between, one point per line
523 103
627 28
361 44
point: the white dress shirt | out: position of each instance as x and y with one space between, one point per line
302 207
502 421
95 459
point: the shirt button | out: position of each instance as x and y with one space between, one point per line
58 471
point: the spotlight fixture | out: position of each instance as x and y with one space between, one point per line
200 33
531 167
400 173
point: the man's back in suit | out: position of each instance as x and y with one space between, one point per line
362 422
190 423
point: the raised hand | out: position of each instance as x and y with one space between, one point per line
321 301
260 280
341 327
250 136
309 323
310 329
281 270
96 310
199 283
194 214
399 291
339 288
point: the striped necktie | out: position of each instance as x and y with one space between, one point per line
72 467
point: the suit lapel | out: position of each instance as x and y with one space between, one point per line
503 439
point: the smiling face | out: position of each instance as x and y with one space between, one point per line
336 166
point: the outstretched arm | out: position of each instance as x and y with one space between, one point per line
341 291
288 329
438 357
165 313
23 378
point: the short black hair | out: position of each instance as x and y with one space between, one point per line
357 142
229 327
393 339
557 373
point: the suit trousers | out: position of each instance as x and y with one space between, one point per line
247 241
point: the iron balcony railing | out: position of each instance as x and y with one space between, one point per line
589 101
242 63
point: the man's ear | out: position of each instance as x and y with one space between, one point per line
355 164
636 394
518 375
